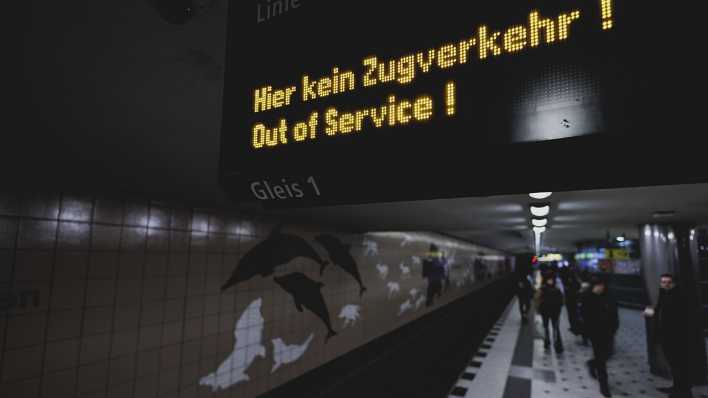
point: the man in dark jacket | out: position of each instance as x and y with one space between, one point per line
524 292
584 292
572 291
480 269
550 302
601 324
672 324
434 270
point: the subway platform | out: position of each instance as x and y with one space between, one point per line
512 363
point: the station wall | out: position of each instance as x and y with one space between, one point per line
123 298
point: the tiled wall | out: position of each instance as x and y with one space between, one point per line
118 298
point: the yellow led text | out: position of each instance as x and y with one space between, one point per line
326 86
484 44
265 98
262 136
393 113
450 98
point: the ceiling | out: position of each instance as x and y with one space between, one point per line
127 103
119 98
503 222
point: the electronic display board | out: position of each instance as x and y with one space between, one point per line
329 102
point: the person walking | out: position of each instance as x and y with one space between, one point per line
480 269
434 269
524 292
549 304
572 291
601 324
583 294
446 267
672 324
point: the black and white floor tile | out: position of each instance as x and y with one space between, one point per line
486 373
628 369
563 375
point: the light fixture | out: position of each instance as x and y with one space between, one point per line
664 213
540 195
620 239
540 210
539 230
537 243
539 222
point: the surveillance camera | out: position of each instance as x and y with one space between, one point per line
179 12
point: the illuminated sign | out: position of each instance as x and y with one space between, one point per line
597 254
354 102
550 257
485 43
617 254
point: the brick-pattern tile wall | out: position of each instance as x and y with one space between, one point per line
120 298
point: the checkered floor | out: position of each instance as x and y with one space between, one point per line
628 368
486 373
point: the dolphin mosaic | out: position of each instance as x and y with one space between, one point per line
277 249
307 293
339 255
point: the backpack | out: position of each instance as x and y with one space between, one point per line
427 267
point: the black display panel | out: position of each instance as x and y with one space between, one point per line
352 102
